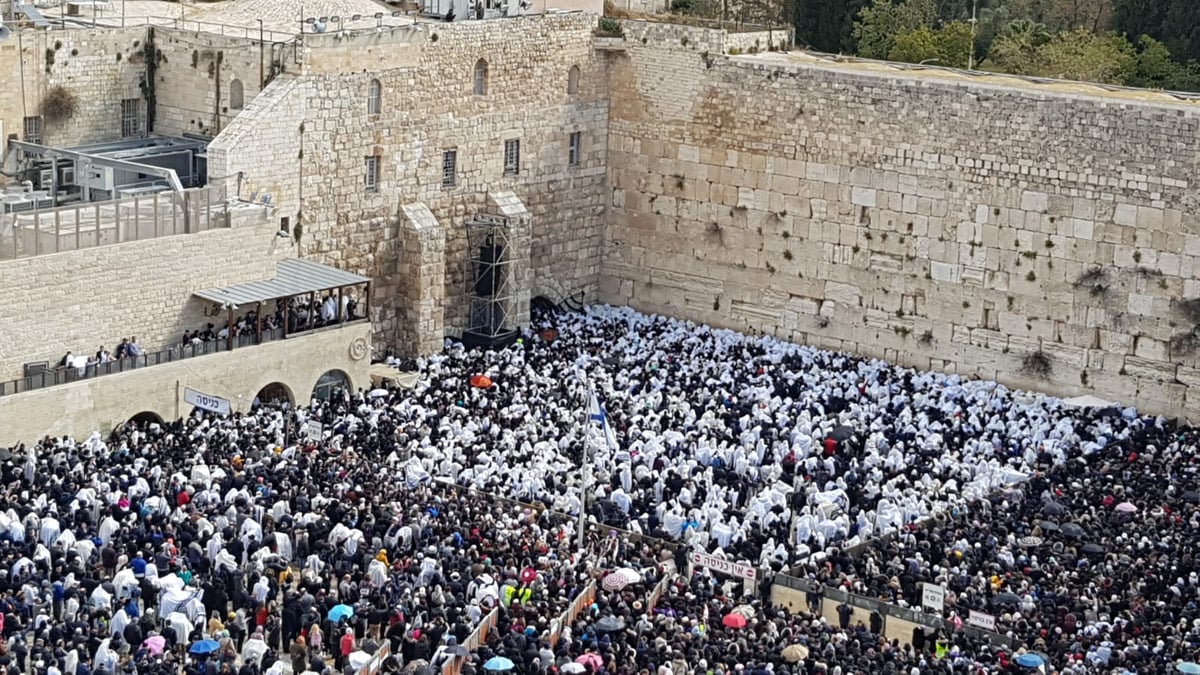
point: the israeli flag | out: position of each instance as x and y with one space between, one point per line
597 414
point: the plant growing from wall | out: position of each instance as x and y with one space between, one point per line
49 59
1037 365
609 27
297 232
149 54
59 104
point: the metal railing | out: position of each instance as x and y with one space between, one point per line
69 374
585 599
25 234
888 610
657 593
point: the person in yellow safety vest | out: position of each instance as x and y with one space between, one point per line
520 595
941 649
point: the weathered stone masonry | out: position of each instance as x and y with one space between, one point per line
941 224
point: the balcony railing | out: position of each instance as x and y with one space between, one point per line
68 374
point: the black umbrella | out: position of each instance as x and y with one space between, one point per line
1006 599
609 624
841 433
1191 496
1048 526
1053 508
1092 549
1073 530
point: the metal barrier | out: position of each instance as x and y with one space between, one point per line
26 234
657 593
585 599
475 640
887 610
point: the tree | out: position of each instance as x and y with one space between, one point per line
879 25
1016 49
827 25
1155 69
949 45
1082 55
1094 15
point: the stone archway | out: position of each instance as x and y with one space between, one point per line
329 381
274 393
145 418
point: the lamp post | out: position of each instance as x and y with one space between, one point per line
974 21
261 68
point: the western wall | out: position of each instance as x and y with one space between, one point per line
1043 235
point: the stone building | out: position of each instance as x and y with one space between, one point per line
1041 234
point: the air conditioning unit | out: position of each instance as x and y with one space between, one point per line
66 175
46 179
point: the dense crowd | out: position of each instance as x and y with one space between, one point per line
297 313
130 553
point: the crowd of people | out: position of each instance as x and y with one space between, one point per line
296 312
1074 527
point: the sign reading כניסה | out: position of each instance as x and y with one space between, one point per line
205 402
724 566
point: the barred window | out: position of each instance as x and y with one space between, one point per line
481 73
131 117
371 174
512 157
574 144
374 98
449 168
33 129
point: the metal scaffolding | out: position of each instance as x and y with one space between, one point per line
491 266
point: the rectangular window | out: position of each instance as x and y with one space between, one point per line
131 117
512 157
371 174
449 168
573 145
33 130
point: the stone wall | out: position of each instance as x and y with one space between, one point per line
79 408
101 66
427 107
80 300
937 223
196 74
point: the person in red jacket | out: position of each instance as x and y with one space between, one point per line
347 647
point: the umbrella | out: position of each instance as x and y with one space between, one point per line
1125 507
481 381
1029 660
340 612
591 658
746 611
1053 508
732 620
204 647
1030 541
573 668
154 644
378 393
614 582
631 575
1191 496
1189 667
1006 599
609 624
841 433
1094 549
498 663
794 653
1048 526
1073 530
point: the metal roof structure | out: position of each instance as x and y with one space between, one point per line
292 277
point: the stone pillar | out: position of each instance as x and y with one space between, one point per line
509 206
421 323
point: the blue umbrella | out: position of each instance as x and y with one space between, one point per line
204 647
498 663
1030 660
340 612
1189 667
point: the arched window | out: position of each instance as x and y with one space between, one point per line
480 77
236 95
573 80
374 97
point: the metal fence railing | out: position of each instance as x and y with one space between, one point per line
887 610
657 593
25 234
581 602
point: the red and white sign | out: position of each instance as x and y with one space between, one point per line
724 566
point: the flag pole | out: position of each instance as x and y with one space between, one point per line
587 469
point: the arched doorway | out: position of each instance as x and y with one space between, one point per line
145 419
274 394
330 382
